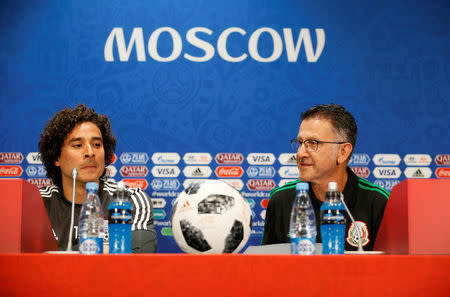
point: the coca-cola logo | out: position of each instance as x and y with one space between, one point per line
442 160
40 182
229 171
443 172
136 183
114 159
133 171
229 158
260 184
363 172
10 170
11 158
264 203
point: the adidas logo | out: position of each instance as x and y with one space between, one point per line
197 172
418 173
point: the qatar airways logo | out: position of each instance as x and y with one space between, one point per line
229 38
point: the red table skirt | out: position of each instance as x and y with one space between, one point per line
223 275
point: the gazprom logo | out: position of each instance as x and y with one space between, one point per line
166 158
293 41
386 159
359 159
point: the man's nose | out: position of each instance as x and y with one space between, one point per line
89 152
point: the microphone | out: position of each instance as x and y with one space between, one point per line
74 178
358 230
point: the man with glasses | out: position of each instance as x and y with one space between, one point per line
324 144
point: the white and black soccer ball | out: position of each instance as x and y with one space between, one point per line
211 217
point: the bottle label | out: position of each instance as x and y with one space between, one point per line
91 245
302 246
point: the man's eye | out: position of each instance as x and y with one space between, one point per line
76 145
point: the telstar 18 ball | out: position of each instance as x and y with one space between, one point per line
211 217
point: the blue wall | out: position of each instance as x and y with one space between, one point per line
387 62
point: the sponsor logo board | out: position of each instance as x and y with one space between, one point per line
263 214
134 158
229 158
40 182
229 171
386 184
197 158
235 183
285 181
264 203
288 172
251 202
166 231
442 160
10 170
11 158
359 159
197 171
34 158
386 159
165 158
159 214
189 181
134 171
260 184
36 171
165 171
361 171
418 172
136 183
165 184
159 202
287 159
111 170
261 171
387 172
417 159
443 172
260 159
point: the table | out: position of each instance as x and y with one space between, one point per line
224 275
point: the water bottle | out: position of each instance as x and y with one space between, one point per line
90 223
120 221
302 229
333 219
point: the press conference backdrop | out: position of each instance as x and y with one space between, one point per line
215 89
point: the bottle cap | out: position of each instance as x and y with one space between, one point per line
120 185
91 186
302 186
332 186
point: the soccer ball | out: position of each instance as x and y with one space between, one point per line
211 217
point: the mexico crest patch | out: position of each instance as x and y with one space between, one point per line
353 234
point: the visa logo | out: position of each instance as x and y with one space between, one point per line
165 171
261 159
387 172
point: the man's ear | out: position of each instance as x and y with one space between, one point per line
57 162
345 150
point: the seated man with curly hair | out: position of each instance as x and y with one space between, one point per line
82 139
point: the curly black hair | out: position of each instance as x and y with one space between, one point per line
57 129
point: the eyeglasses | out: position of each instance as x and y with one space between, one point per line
311 145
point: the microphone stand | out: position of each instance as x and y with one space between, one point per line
74 178
358 229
